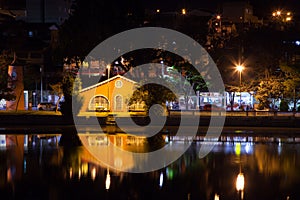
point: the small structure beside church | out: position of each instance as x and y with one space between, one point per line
111 95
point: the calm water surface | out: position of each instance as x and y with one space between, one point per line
40 169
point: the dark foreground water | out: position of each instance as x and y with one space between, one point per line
36 167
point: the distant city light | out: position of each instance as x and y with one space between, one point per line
282 15
297 43
158 10
183 11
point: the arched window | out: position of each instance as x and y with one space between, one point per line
118 103
99 103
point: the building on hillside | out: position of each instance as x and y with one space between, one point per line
239 12
110 95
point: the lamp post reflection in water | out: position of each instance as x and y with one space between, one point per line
240 183
217 197
240 180
107 180
161 180
93 173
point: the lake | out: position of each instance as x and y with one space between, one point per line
36 167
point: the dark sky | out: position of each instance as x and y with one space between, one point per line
13 4
261 7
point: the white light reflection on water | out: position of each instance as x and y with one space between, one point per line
161 180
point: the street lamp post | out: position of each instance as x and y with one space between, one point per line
41 70
219 22
240 68
108 74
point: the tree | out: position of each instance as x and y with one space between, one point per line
57 89
186 80
291 83
269 91
147 95
71 85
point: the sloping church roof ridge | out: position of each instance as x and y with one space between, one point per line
106 81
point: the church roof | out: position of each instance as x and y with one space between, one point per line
106 81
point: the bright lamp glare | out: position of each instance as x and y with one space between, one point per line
240 68
240 182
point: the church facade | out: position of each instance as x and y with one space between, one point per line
110 95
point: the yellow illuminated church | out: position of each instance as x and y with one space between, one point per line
110 95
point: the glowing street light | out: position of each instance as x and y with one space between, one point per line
218 17
278 12
183 11
288 19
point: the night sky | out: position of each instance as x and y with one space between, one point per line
262 8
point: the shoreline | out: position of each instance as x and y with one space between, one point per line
234 125
59 120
